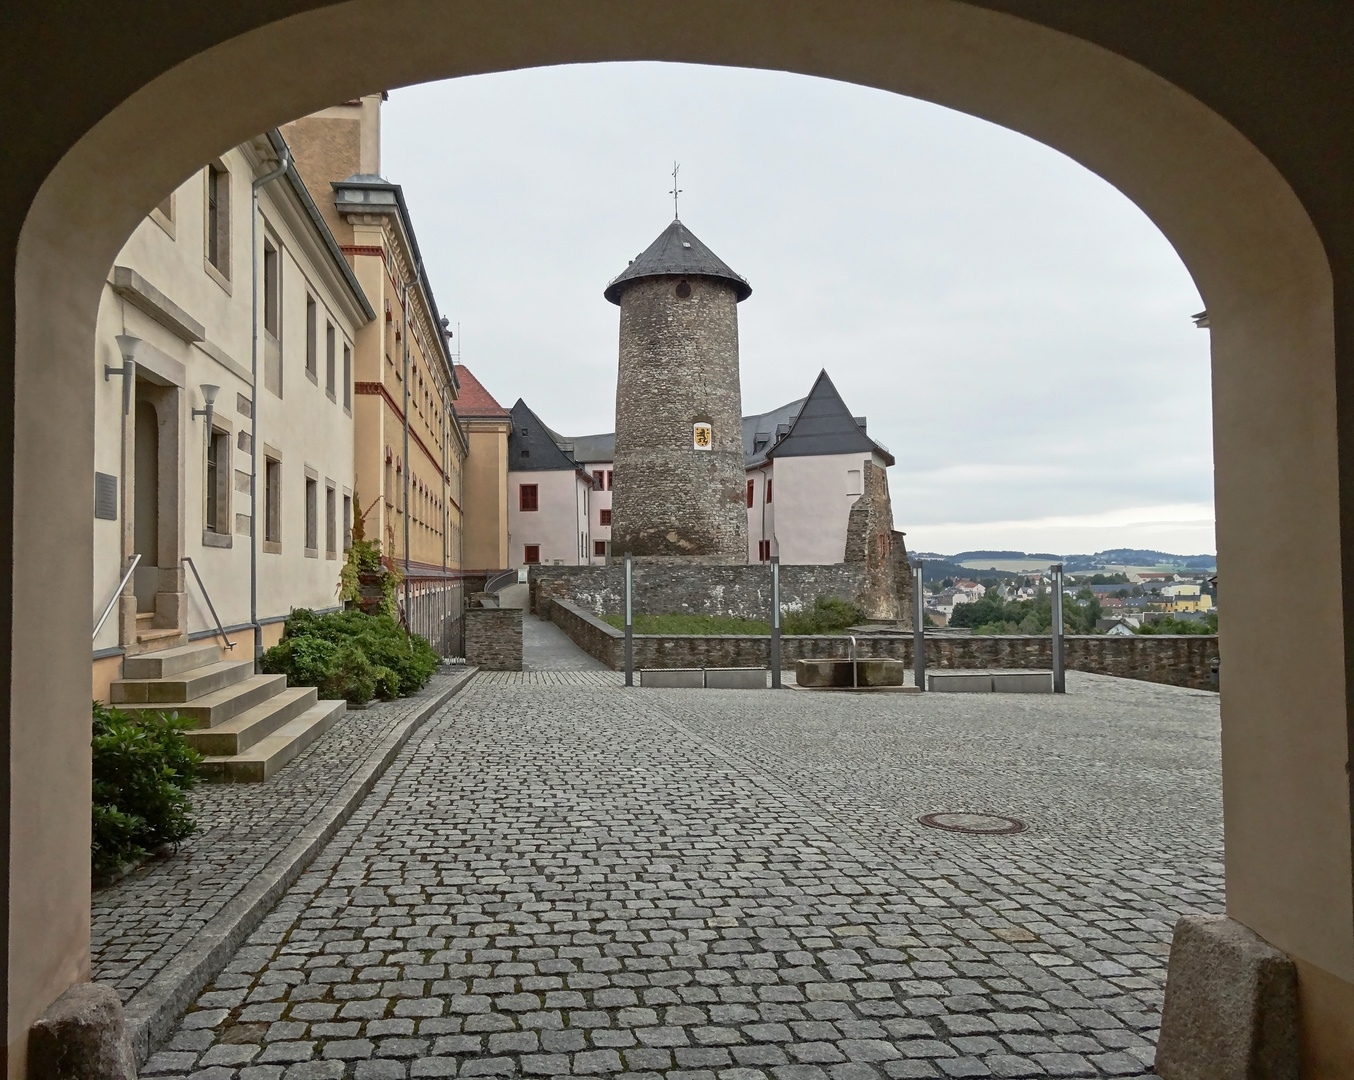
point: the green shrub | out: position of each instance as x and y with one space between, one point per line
691 624
351 655
829 615
143 770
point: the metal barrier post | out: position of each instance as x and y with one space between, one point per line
629 622
918 628
1059 666
775 622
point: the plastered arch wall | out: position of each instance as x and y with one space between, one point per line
1237 225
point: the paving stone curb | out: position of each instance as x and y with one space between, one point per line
152 1011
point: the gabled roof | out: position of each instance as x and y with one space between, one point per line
542 453
474 399
589 449
825 426
677 251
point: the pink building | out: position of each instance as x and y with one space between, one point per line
548 497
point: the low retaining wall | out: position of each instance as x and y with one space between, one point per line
493 638
661 589
1178 660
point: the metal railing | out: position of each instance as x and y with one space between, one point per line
435 610
112 603
495 582
210 606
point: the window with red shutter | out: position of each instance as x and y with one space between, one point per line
531 554
527 497
752 486
605 517
768 489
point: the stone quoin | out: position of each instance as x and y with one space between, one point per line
679 475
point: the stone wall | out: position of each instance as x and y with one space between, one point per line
493 638
1178 660
679 365
680 589
869 540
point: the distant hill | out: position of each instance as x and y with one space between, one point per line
969 563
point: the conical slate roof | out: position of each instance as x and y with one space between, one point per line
677 251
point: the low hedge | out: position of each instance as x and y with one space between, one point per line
352 655
143 771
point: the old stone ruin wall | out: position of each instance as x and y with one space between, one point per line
872 541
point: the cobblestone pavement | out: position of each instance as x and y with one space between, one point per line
564 877
139 924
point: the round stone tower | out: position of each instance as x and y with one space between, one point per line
680 482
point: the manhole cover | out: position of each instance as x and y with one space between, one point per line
986 824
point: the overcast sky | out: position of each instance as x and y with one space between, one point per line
1016 330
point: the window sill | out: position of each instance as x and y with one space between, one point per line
312 553
312 377
330 395
216 539
272 547
331 554
217 276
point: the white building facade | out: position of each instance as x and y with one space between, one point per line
173 478
549 498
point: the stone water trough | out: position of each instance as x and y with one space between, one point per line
859 674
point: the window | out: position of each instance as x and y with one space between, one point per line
348 377
604 517
608 479
347 522
598 480
218 482
764 550
272 503
752 487
330 521
768 489
312 518
218 219
312 337
329 358
531 554
270 281
526 453
853 481
599 548
527 498
524 433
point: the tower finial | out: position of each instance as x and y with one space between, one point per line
675 192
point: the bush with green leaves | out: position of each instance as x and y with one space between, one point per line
143 771
829 615
350 654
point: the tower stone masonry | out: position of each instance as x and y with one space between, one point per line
679 484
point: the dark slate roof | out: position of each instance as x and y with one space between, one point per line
588 449
770 425
543 453
677 251
825 426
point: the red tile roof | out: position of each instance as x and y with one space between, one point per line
475 400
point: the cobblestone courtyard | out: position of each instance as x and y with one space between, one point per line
559 876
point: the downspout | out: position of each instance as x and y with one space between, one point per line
283 164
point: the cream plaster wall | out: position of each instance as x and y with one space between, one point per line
559 523
486 495
813 505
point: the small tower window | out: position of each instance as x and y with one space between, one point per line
683 289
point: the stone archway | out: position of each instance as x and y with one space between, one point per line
1260 263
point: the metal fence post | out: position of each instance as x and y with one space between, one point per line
629 621
918 627
1059 666
775 622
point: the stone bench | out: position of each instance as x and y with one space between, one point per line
989 682
839 674
704 678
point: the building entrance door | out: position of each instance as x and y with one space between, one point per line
146 503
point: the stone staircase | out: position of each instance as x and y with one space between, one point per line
248 726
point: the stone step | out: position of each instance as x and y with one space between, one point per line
239 733
268 755
159 633
214 709
185 686
166 662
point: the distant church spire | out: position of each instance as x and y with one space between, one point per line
675 192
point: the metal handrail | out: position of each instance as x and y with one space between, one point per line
116 593
501 580
855 664
210 606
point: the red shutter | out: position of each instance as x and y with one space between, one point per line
531 553
768 489
527 497
752 485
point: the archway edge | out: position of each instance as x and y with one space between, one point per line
1235 221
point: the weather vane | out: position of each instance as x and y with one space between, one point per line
675 190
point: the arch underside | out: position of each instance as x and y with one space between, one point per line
1242 232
